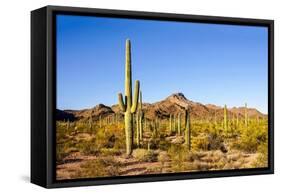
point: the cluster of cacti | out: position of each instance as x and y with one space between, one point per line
129 103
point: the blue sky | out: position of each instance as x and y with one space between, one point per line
209 63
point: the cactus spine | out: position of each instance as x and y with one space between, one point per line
129 104
187 129
225 121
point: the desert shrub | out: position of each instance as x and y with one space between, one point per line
88 148
252 138
262 159
178 156
97 168
119 143
144 155
110 152
61 153
202 166
163 157
164 145
101 139
192 156
200 143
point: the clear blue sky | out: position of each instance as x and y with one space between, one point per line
209 63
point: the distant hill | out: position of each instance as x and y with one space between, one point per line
173 104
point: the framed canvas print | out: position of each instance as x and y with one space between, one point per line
125 96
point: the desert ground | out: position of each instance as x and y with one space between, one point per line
92 142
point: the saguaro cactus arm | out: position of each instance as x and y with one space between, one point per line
122 104
136 97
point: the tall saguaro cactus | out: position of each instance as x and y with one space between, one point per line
129 104
187 131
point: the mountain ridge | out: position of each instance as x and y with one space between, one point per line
174 104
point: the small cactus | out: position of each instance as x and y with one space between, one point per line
171 124
179 124
174 123
187 129
225 120
237 120
215 119
246 116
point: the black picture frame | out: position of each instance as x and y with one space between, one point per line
43 95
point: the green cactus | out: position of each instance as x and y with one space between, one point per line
141 117
237 120
258 119
139 120
215 119
225 120
90 122
246 115
138 129
171 124
179 124
100 121
174 123
145 124
187 129
129 104
155 126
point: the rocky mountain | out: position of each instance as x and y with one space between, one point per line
173 104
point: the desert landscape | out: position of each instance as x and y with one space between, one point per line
172 135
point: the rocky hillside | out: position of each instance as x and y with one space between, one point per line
174 104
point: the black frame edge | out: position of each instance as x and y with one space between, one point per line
38 97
